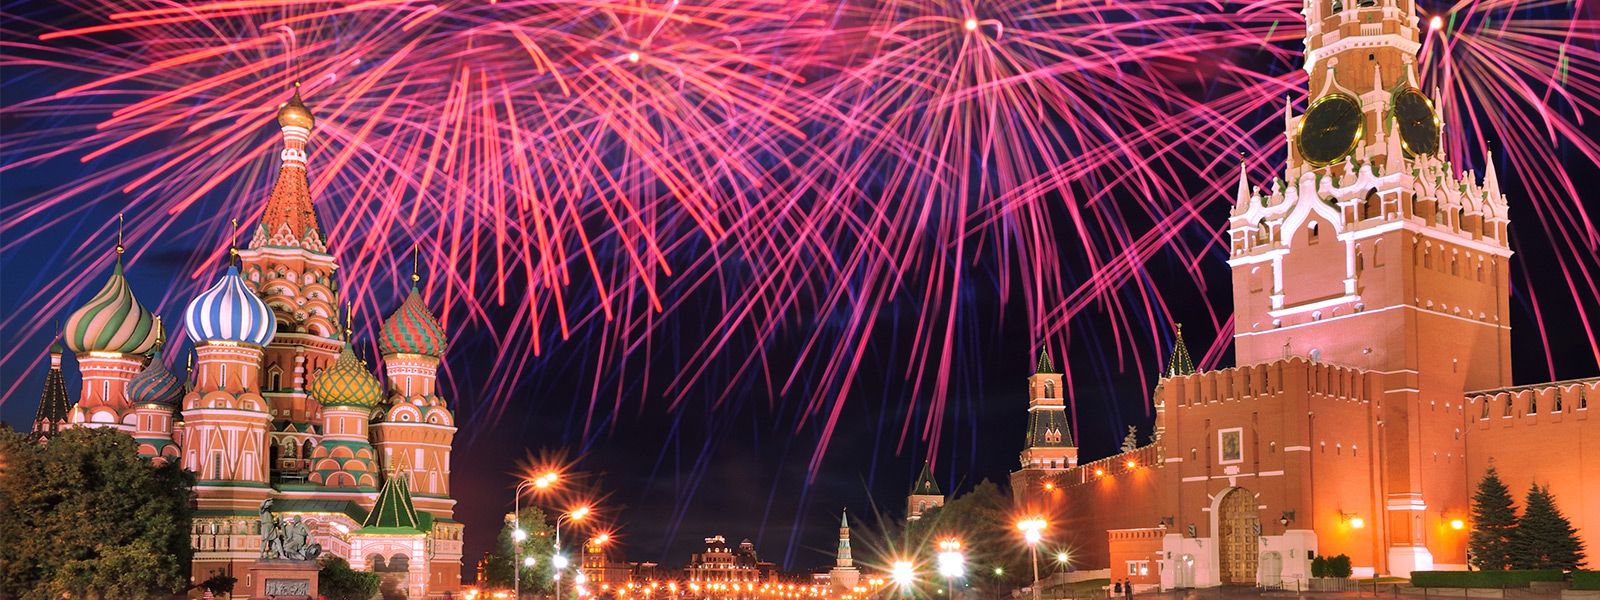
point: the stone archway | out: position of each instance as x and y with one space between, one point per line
1238 536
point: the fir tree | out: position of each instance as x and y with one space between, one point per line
1494 518
1544 538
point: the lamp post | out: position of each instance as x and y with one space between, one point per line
541 482
951 564
559 561
1032 531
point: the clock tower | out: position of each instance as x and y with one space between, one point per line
1374 251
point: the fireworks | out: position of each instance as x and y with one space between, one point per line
592 173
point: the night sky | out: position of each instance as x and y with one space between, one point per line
737 465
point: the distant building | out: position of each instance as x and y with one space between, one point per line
924 495
844 575
604 566
720 563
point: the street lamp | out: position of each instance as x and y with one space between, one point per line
1062 558
541 482
902 573
1032 531
560 562
951 564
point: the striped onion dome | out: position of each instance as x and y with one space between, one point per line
155 385
412 329
230 312
113 321
347 383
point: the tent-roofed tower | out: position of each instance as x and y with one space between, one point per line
53 401
924 494
1049 448
844 575
393 540
287 264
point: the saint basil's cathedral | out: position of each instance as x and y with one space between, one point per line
277 405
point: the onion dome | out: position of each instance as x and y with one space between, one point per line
347 383
412 329
294 113
155 385
230 312
113 321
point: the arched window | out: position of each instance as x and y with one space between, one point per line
1311 232
1049 389
1372 207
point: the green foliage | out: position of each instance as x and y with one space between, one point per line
84 516
337 581
1481 579
1319 566
540 544
1494 518
1544 538
1586 580
983 519
1339 566
220 583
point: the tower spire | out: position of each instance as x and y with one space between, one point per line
1045 365
290 220
1179 364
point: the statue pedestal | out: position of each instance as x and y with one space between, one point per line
283 579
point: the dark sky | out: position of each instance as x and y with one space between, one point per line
739 466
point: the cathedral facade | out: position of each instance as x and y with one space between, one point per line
276 405
1372 331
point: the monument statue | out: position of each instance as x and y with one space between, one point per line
285 540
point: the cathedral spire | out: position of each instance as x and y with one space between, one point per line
1241 195
1179 364
290 220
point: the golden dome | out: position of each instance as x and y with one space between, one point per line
295 114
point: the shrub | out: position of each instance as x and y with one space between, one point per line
1586 580
1339 566
1319 567
338 581
1482 579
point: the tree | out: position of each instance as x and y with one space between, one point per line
1494 518
85 516
540 544
983 519
337 581
1544 538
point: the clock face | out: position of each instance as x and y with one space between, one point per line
1419 127
1330 129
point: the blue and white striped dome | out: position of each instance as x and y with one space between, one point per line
230 312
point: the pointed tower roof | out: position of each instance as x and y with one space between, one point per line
53 401
393 512
1179 363
925 485
290 220
1045 365
844 519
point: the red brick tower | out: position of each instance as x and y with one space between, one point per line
1375 252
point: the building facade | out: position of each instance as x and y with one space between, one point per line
1372 333
276 405
924 496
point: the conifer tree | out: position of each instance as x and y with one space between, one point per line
1494 518
1544 538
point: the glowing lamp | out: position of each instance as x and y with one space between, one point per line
518 534
1049 486
559 562
902 573
528 562
1099 472
1131 464
581 512
1357 522
1457 524
1063 558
